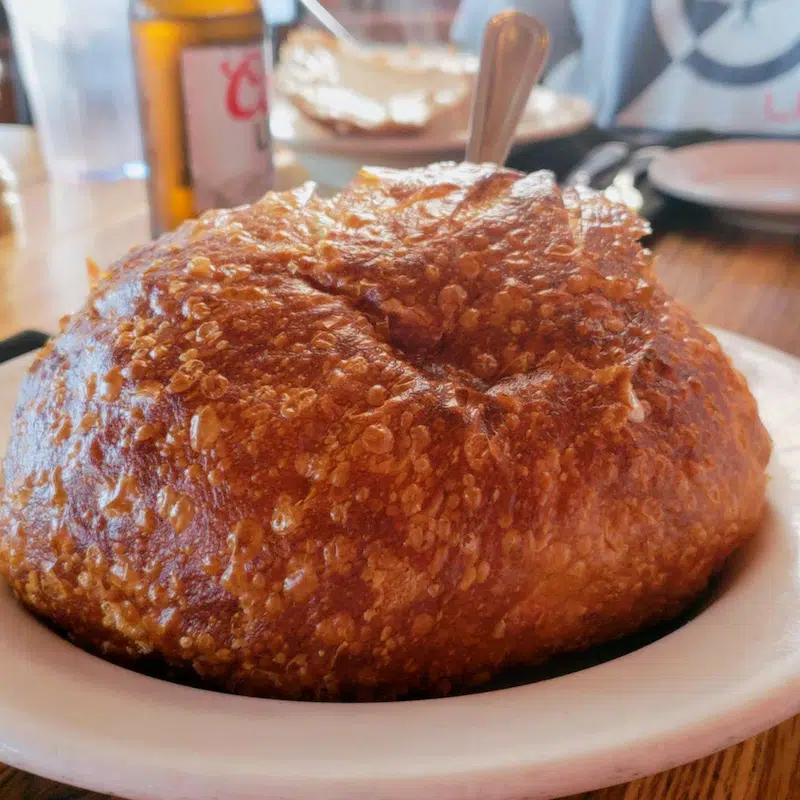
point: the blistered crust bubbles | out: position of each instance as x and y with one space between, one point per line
444 423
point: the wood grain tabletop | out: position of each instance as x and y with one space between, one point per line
746 282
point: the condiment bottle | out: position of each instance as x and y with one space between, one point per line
201 70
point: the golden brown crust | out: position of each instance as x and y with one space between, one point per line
443 423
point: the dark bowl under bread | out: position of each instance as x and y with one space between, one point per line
393 442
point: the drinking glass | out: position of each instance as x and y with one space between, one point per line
75 59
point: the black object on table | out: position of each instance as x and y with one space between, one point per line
21 343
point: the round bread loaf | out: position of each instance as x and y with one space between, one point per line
444 423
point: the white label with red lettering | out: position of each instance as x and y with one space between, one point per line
227 124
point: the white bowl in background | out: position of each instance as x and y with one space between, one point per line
332 160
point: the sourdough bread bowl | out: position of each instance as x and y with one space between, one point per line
389 443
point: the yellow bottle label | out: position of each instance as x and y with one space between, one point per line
226 118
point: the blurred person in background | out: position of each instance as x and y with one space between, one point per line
727 66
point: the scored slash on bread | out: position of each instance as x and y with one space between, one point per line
394 442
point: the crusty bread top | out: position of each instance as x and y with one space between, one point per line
361 412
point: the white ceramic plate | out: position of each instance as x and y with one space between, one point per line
756 183
732 671
332 160
548 115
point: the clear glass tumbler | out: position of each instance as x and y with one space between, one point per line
75 58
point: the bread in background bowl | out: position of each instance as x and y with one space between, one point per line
369 89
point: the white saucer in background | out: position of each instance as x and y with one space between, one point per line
748 182
333 160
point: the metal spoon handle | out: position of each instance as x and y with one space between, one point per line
327 20
515 47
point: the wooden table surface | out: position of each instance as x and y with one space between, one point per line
746 282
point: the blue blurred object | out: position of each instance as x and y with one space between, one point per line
280 12
728 66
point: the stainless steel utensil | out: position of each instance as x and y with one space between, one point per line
596 161
328 21
623 187
515 48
